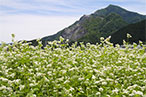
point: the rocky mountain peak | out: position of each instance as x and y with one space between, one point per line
102 23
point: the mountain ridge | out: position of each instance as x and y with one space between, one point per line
122 12
101 23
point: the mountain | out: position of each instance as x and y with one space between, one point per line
136 30
105 27
128 16
102 23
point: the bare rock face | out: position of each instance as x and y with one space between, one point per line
75 31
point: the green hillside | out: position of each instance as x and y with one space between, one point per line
136 30
102 28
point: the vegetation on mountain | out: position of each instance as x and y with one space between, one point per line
101 28
136 30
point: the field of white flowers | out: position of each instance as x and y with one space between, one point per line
59 70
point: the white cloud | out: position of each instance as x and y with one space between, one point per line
30 27
47 5
64 6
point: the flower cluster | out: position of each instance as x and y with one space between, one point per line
59 70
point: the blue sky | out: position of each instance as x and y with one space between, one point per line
65 7
30 19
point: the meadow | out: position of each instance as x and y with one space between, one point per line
60 70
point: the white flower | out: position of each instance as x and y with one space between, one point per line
81 79
98 93
93 77
61 79
21 87
115 91
108 95
49 73
81 91
95 70
96 82
131 94
12 75
34 95
39 74
3 87
66 81
104 83
3 79
137 92
101 38
9 89
71 69
125 91
71 89
46 79
63 71
100 89
31 84
70 95
16 81
49 65
128 35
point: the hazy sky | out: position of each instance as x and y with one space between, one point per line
30 19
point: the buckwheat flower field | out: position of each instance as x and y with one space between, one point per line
59 70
